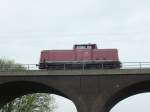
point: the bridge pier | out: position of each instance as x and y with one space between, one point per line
90 104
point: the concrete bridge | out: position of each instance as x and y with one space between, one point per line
90 90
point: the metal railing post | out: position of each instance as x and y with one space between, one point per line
83 66
64 67
140 64
28 67
102 65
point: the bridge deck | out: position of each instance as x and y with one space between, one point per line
75 72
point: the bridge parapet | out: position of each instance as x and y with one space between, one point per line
75 72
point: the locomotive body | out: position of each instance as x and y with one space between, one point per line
86 56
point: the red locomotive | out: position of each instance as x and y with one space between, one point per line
86 56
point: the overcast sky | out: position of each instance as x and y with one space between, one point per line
29 26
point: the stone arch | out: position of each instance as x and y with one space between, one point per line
126 92
11 90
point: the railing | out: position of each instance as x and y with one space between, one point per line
21 67
135 65
124 65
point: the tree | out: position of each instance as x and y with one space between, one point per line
6 65
38 102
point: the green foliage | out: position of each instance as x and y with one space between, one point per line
7 65
38 102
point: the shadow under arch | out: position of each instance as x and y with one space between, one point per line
11 90
137 88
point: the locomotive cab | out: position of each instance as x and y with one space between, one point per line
85 46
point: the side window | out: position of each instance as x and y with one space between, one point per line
84 47
81 47
89 47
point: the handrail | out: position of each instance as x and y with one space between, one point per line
124 65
